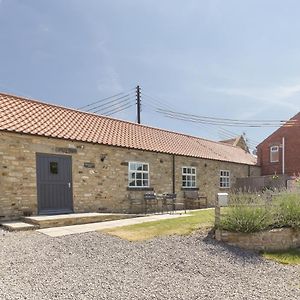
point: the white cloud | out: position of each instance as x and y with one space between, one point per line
109 80
43 27
279 96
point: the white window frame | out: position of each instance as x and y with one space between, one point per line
224 182
193 177
272 150
132 170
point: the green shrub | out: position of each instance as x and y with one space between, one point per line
288 210
246 219
253 212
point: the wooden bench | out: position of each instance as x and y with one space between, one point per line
193 200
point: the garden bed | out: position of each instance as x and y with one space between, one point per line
269 240
260 221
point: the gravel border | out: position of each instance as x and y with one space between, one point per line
97 266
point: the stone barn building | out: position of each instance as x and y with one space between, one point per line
59 160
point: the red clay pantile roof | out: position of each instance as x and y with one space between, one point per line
22 115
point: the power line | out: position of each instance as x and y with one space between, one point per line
220 121
231 135
109 104
121 108
90 104
114 106
159 102
211 129
154 104
221 133
232 120
106 98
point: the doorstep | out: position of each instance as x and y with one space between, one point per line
17 226
75 229
47 221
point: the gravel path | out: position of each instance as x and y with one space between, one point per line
97 266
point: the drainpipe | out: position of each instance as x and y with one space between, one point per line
283 148
173 180
173 174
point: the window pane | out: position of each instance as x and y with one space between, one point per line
54 167
138 174
274 154
188 177
224 179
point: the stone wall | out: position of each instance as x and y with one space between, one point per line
103 188
275 239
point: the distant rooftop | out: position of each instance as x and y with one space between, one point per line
238 141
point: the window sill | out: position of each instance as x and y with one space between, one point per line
139 188
189 189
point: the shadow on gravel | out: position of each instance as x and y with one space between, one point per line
237 252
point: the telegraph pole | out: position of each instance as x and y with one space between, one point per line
138 104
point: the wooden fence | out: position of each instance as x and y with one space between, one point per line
261 183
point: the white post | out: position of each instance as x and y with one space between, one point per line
283 148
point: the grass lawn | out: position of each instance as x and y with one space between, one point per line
290 257
182 226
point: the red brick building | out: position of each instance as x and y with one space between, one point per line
279 153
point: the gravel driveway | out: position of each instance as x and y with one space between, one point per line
97 266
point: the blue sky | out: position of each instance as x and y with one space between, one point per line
230 59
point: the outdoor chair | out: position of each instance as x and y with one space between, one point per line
151 202
193 200
169 202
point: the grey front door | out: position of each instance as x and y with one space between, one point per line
54 183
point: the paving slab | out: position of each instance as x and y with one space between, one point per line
17 226
75 229
68 216
49 221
